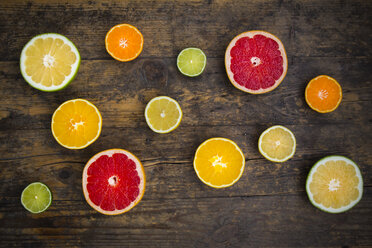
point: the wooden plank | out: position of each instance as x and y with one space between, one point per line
307 28
34 155
193 222
121 92
268 206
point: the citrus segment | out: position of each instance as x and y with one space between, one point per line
219 162
49 62
36 197
334 184
113 181
163 114
124 42
277 144
191 61
256 62
323 94
76 124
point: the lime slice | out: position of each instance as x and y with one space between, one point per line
334 184
163 114
49 62
191 61
277 144
36 197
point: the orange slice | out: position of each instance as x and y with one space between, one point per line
219 162
323 94
124 42
76 124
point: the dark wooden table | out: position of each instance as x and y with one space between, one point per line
268 206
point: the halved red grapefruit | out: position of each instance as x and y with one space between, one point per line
256 62
113 181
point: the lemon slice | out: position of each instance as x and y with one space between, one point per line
277 144
49 62
334 184
163 114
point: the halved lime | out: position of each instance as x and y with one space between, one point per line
36 197
191 61
49 62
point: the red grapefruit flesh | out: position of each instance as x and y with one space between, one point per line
113 181
256 62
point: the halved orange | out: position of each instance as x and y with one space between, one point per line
76 124
219 162
323 94
124 42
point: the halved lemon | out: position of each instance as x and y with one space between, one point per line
277 144
49 62
163 114
334 184
76 124
219 162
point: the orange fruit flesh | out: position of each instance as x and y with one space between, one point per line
49 61
76 124
218 162
124 42
335 184
323 94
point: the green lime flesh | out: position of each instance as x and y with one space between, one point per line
191 61
36 197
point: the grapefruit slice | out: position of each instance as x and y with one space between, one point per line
334 184
256 62
113 181
49 62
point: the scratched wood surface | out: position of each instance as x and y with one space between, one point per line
268 206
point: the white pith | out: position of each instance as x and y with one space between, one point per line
314 169
48 61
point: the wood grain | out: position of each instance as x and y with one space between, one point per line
268 206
